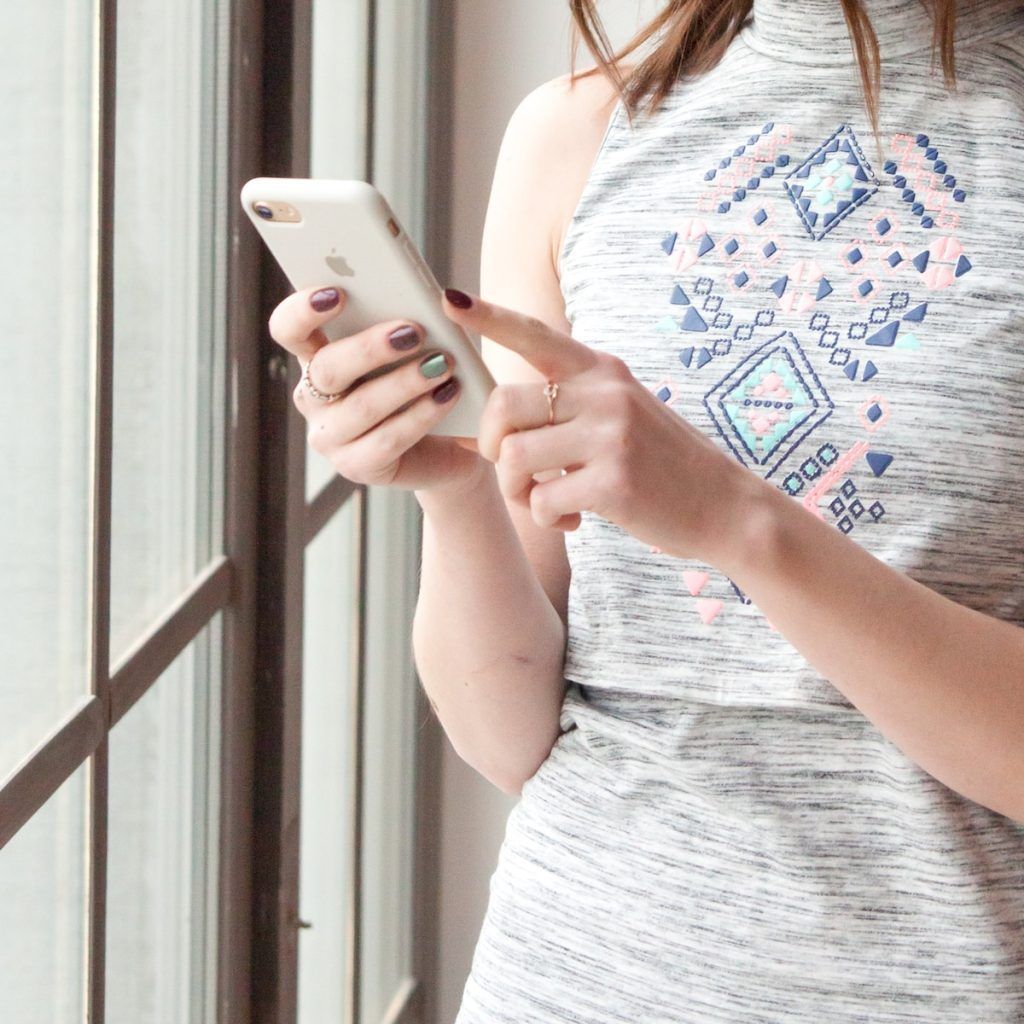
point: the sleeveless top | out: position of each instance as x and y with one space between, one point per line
719 835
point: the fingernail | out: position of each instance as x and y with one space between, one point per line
434 366
458 299
404 338
446 391
325 299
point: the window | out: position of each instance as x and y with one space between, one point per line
216 764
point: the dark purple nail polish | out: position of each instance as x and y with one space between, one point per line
446 391
325 299
458 299
404 338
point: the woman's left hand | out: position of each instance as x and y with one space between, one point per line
628 457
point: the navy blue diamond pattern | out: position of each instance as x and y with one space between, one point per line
768 403
831 183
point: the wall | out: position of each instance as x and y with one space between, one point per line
489 82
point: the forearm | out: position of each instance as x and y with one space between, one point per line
487 641
944 682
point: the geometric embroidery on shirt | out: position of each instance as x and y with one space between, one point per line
831 183
922 177
942 262
739 173
687 244
703 313
768 403
772 399
874 413
850 507
802 287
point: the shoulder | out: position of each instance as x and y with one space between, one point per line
550 143
563 111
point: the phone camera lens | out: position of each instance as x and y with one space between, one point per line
264 211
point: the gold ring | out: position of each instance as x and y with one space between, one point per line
551 393
312 388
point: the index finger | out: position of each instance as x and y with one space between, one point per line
296 321
552 353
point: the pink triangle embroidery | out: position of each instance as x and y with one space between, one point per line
708 609
694 581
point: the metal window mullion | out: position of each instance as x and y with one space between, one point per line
146 661
102 409
320 511
285 86
240 521
41 774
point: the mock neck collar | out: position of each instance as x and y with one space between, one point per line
815 31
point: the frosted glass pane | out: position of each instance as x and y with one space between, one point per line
162 868
167 392
42 912
337 145
327 835
46 162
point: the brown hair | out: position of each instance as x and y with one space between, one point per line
691 36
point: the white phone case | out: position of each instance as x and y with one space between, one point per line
349 236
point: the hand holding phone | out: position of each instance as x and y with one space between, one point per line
377 432
343 235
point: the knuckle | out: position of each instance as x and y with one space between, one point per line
618 400
321 371
368 347
540 503
316 439
501 401
615 367
512 451
387 445
282 324
616 480
359 405
618 441
349 469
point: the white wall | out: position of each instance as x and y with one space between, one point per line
502 50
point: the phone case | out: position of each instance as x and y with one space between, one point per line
349 236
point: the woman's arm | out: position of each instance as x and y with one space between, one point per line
489 628
944 682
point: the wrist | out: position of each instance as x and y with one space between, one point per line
756 511
444 498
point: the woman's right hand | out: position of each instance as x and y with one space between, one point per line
360 433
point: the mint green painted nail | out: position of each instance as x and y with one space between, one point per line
434 366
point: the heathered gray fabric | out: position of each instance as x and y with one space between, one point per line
720 836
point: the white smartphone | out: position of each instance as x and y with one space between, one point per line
325 232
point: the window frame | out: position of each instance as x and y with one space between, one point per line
256 584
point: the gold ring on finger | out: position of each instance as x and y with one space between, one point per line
307 380
551 393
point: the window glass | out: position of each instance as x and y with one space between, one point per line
390 736
168 391
42 912
327 830
161 868
46 164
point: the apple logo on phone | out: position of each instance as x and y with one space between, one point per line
339 265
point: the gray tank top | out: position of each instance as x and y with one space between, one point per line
720 836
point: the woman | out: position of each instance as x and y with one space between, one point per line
767 527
